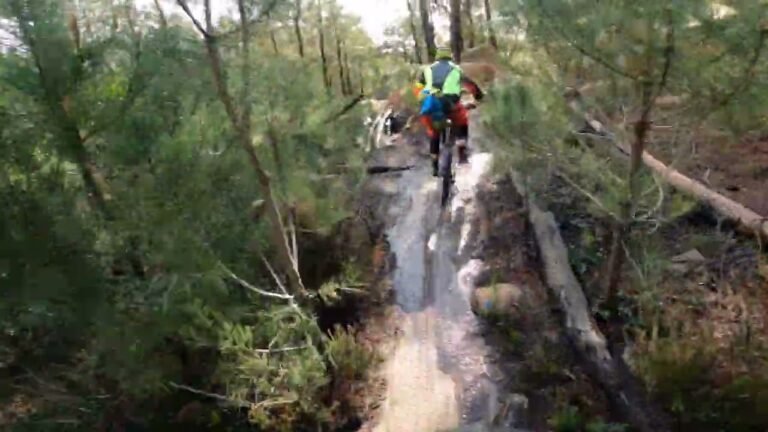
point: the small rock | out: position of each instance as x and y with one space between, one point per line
683 263
692 256
501 298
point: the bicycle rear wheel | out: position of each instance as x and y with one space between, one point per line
446 190
445 166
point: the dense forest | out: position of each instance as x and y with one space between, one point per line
186 240
159 169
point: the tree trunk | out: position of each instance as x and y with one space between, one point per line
414 34
321 43
339 59
348 73
428 29
274 41
491 33
627 396
470 29
748 221
297 27
241 123
57 103
161 15
276 156
622 227
115 24
457 41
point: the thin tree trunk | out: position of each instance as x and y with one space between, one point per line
115 23
470 24
428 29
491 33
297 28
57 104
414 34
161 14
242 126
457 41
348 73
274 41
621 227
276 156
321 43
339 58
272 36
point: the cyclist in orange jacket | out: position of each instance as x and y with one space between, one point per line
446 80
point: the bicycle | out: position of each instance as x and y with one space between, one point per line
445 166
445 162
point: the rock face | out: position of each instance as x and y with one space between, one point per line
498 299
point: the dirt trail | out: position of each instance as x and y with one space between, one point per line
440 376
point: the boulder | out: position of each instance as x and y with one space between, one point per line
498 299
683 263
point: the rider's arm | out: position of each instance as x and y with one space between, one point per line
472 87
422 80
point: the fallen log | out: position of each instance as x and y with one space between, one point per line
747 221
627 396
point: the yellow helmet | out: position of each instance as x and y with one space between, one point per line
443 53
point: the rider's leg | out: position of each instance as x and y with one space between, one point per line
460 118
434 142
434 151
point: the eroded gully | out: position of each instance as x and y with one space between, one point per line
440 375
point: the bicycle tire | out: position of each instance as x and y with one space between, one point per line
446 192
445 167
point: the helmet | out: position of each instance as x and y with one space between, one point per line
443 53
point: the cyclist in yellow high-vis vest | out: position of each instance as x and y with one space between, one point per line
445 79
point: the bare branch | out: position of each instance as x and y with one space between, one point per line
669 52
227 400
161 14
263 13
274 274
280 284
280 350
570 41
191 16
746 79
292 230
346 108
247 285
586 193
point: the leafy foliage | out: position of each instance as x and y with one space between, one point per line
131 230
595 76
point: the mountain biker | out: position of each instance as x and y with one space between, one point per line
444 81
